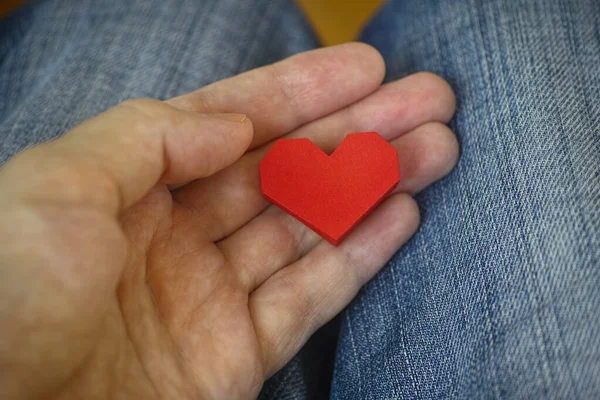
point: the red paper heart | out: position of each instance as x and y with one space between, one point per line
330 194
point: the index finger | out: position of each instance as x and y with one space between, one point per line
283 96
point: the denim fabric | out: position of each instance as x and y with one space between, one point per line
498 294
64 61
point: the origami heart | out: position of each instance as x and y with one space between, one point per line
330 194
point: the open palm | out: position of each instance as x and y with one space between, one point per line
163 269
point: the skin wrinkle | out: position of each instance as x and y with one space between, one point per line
288 92
138 355
240 271
147 289
199 220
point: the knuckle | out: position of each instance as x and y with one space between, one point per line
147 117
148 114
144 106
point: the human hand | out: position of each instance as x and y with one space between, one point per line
138 258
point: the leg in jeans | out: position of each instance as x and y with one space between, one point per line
64 61
498 294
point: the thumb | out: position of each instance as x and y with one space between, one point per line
114 159
59 270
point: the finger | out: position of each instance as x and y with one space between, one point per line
113 160
233 197
280 97
300 298
274 239
395 109
426 155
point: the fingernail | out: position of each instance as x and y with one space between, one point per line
232 117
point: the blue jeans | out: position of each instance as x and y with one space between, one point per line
498 294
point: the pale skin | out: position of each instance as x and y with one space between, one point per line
138 258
